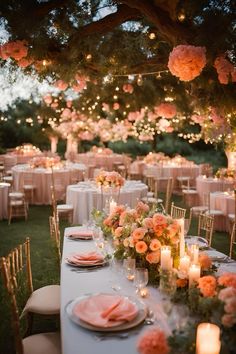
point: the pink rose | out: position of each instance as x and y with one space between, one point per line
159 219
230 306
148 223
166 110
227 293
228 320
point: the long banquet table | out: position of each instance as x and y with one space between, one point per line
85 196
77 340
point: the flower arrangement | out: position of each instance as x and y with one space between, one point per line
27 150
187 61
100 150
226 173
45 162
225 70
166 110
109 179
15 49
138 233
155 158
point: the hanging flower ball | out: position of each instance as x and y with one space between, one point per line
47 99
166 110
224 70
61 85
16 50
187 61
128 88
116 106
24 62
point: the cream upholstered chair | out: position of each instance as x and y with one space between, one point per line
43 301
177 212
43 343
17 206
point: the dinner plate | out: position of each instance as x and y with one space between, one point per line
141 315
200 241
100 263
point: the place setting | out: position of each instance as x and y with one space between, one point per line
79 234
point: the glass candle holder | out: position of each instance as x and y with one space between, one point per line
167 283
129 268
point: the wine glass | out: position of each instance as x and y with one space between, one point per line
140 278
129 268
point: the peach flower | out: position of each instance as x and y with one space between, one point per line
166 110
228 320
153 342
118 232
187 61
142 208
227 279
155 245
230 306
159 230
24 62
205 261
181 283
116 106
61 85
148 223
224 69
159 219
141 247
207 285
139 233
126 242
227 293
153 257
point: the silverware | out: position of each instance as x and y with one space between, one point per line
104 336
83 270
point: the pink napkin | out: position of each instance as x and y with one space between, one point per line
86 258
81 234
105 310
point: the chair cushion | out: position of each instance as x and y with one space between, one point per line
64 207
214 212
29 186
16 195
42 343
45 301
183 178
8 179
189 191
16 202
199 209
231 216
150 194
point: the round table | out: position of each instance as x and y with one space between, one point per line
42 180
225 202
85 196
4 190
208 185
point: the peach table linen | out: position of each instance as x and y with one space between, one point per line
225 202
4 190
208 185
85 196
42 180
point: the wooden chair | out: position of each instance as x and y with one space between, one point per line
17 206
61 210
43 301
200 209
205 227
55 235
232 240
169 190
42 343
177 212
28 186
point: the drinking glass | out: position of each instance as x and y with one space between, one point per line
129 268
140 278
116 267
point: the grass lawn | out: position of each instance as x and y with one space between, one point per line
44 262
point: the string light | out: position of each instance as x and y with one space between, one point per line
139 80
152 35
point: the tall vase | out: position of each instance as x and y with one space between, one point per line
54 141
231 156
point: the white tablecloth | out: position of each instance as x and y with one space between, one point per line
4 190
75 339
42 179
85 196
208 185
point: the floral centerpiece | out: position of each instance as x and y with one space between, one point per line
226 173
27 150
155 158
45 162
139 233
102 151
109 179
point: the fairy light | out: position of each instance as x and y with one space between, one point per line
152 35
139 80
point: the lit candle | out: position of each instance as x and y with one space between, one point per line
166 263
194 250
143 292
113 204
194 274
208 339
184 264
181 237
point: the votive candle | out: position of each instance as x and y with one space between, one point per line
184 263
208 339
194 273
166 263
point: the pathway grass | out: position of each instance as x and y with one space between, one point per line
45 268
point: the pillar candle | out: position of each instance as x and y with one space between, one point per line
166 263
208 339
194 273
113 204
194 253
181 237
184 264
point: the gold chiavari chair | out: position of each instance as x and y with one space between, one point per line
42 301
41 343
55 235
17 206
205 227
177 212
232 240
169 190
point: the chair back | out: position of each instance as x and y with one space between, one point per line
169 190
54 202
205 227
10 288
177 212
28 178
55 234
232 240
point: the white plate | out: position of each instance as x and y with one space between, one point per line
102 263
142 313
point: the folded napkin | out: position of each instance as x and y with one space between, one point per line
81 234
104 310
86 258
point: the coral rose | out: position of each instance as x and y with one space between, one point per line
148 223
159 219
159 229
153 257
227 279
153 342
181 283
139 233
155 245
187 61
141 247
207 286
205 261
118 232
142 208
